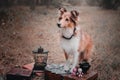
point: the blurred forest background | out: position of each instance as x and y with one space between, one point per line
108 4
27 24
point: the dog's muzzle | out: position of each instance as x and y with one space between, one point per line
59 25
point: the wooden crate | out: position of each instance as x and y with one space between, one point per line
92 75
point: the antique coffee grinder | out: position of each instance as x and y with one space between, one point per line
40 58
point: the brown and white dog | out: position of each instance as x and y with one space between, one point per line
73 40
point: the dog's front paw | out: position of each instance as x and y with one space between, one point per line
72 69
66 68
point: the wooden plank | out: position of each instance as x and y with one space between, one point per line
92 75
19 74
30 67
52 76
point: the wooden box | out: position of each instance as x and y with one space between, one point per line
92 75
19 74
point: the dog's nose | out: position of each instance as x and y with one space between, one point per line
58 25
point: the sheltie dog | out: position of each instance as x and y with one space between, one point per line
74 41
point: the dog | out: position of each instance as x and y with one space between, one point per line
73 40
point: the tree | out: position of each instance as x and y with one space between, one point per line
32 4
46 2
110 4
4 3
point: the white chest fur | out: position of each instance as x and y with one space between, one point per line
70 46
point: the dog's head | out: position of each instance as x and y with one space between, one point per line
67 19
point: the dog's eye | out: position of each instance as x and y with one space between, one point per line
67 19
60 18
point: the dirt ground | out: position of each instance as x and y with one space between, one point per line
26 30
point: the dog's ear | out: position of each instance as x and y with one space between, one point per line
75 15
62 10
